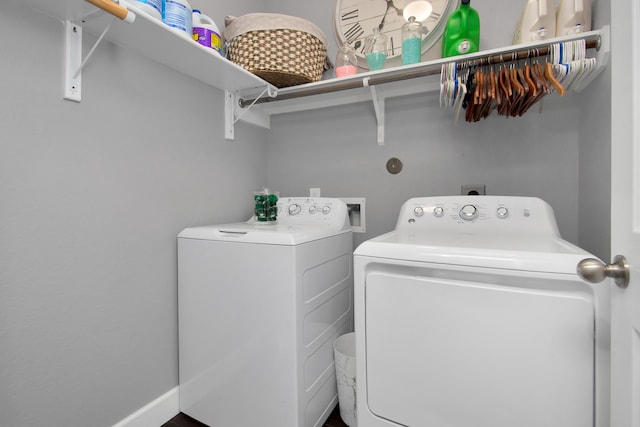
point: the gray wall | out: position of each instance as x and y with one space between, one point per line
536 155
595 156
90 211
92 198
335 149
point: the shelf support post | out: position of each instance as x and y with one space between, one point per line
230 103
233 111
72 61
378 105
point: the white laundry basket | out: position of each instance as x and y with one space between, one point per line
344 351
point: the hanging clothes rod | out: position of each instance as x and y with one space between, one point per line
428 70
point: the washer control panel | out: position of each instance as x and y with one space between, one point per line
312 210
480 212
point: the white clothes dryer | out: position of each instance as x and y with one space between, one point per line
259 309
471 313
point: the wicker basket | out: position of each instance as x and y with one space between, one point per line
283 50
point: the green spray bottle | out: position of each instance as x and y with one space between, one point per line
462 33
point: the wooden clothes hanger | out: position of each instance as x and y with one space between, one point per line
507 92
513 89
518 91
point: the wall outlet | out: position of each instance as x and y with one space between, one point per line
356 210
314 192
474 190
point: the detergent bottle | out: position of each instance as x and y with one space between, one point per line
462 33
152 7
573 16
178 15
205 31
537 22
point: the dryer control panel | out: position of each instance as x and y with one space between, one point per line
489 214
312 210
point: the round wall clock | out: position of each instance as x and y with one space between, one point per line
355 19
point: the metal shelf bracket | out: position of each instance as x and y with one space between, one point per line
378 105
73 62
233 111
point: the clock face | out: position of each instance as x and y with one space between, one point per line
356 19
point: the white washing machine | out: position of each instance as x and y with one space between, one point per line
470 313
259 309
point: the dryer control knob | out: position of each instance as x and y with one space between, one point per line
468 212
418 211
438 211
326 209
502 212
313 209
294 209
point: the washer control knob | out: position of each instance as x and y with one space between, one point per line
418 211
294 209
313 209
326 209
438 211
502 212
468 212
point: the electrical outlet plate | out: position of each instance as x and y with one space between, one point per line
356 208
473 190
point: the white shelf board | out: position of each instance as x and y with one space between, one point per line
392 87
153 39
414 86
377 86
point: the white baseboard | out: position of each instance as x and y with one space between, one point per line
155 413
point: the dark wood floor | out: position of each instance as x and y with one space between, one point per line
182 420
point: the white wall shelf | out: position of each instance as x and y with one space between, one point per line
248 97
153 39
376 86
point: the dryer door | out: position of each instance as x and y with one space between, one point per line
446 349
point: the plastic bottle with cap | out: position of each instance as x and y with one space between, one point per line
573 17
537 22
178 15
151 7
206 32
462 33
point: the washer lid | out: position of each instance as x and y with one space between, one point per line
250 232
513 251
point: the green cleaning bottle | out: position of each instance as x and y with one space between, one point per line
462 33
